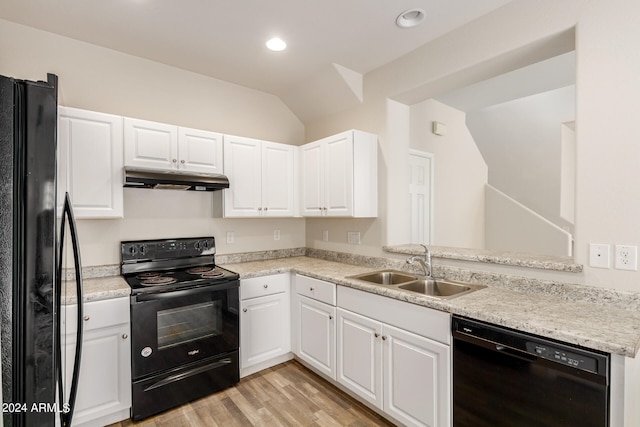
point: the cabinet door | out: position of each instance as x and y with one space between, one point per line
316 338
242 165
90 162
264 329
312 173
416 378
278 179
359 356
150 145
104 387
339 175
199 151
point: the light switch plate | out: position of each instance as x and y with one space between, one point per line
599 255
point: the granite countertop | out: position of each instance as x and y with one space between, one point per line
578 315
608 328
97 288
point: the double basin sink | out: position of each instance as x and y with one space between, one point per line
437 288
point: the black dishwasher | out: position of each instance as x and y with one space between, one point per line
502 377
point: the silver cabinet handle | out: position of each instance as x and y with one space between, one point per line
182 161
330 317
244 310
260 209
125 336
265 286
86 318
266 208
174 160
384 338
311 289
375 334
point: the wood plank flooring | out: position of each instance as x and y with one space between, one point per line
284 395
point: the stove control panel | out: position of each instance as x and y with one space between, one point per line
151 250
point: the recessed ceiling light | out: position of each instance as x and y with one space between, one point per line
410 18
276 44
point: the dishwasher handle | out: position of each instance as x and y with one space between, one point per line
495 346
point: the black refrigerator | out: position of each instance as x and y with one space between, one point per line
32 235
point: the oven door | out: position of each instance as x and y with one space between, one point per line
171 329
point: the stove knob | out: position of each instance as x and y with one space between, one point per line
205 245
143 249
132 250
198 246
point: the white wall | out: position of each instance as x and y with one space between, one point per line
460 175
607 127
511 226
100 79
521 142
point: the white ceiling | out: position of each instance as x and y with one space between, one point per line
225 39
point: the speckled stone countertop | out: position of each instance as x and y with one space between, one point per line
578 315
544 262
601 319
97 288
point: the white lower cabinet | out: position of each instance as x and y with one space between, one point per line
402 373
315 331
104 387
265 322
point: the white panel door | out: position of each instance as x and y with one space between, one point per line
316 338
312 174
264 329
421 193
150 145
416 378
90 162
339 174
278 179
359 356
242 165
199 151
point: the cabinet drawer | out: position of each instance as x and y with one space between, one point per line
96 314
264 285
316 289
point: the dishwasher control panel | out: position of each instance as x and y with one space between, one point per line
562 356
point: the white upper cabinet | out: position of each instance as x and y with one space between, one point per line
199 151
160 146
150 145
339 176
90 162
261 176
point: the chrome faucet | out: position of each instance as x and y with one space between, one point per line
424 261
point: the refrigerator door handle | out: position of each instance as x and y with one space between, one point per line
66 412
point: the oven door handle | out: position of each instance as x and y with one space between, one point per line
190 373
187 292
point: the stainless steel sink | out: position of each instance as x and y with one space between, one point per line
386 277
437 288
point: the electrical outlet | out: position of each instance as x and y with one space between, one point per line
626 257
276 234
231 237
325 235
599 255
353 237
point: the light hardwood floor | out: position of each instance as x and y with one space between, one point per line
284 395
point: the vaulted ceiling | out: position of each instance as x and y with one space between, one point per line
331 43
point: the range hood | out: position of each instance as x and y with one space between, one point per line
142 178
